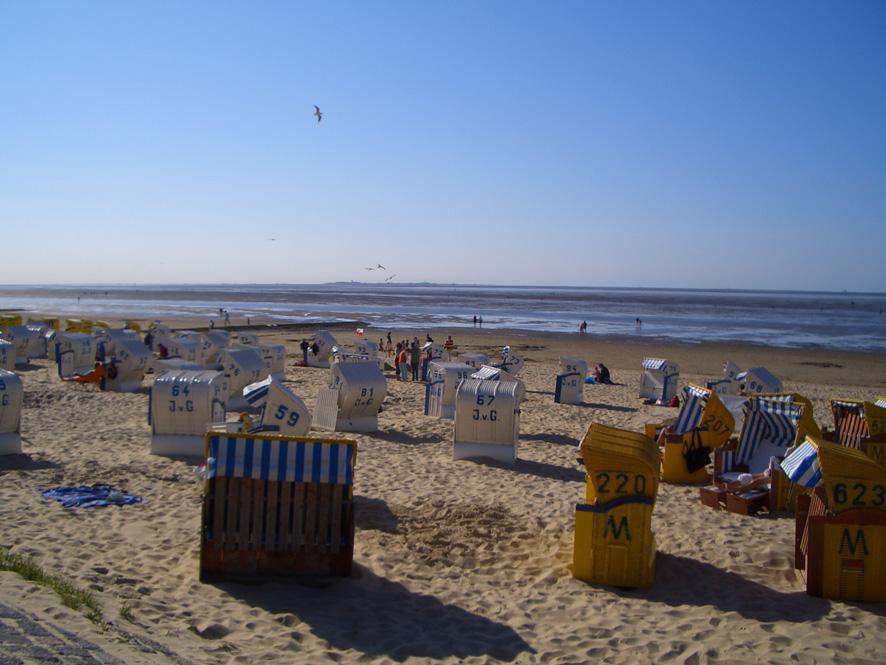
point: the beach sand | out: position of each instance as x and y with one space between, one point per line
454 561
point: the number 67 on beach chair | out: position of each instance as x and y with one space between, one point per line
276 506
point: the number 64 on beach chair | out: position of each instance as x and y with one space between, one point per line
277 506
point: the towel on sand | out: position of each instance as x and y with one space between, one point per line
90 496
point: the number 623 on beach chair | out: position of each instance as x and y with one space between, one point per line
276 506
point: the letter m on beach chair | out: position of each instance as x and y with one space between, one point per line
277 506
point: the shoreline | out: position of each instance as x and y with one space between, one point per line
259 324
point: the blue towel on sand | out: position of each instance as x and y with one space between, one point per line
90 496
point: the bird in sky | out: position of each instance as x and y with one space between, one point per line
380 267
368 268
318 113
388 279
272 239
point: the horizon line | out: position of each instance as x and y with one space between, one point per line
118 285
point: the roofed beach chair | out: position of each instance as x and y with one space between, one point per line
703 425
614 543
840 537
860 425
277 506
746 474
658 382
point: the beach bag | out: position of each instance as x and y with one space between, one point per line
695 453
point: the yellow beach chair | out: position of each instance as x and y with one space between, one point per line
840 538
703 425
614 543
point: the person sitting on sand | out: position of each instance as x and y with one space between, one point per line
601 374
95 376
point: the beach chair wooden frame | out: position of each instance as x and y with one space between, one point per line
277 506
614 543
860 425
783 416
840 526
703 425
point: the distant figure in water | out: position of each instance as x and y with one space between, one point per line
582 327
639 323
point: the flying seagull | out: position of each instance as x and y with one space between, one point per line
388 279
368 268
380 267
318 113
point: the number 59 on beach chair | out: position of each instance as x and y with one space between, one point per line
277 506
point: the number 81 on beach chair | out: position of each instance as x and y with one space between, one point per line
276 506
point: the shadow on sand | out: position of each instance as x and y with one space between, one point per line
608 407
24 462
680 581
374 515
559 439
540 469
378 617
395 436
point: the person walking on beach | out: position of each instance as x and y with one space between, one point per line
397 359
480 320
414 358
475 320
304 351
448 345
227 318
402 365
582 327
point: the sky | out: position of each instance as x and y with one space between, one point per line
681 144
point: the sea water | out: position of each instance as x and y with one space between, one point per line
852 321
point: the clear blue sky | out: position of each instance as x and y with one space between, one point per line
718 144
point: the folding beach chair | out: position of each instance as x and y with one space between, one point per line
703 425
277 506
770 428
840 537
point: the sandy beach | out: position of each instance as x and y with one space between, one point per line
454 561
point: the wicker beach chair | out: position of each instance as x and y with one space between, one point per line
277 506
703 425
840 537
771 426
861 425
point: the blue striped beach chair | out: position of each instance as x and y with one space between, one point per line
771 426
703 425
277 506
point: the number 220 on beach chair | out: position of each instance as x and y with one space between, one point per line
277 506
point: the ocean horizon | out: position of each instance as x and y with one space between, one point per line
780 318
